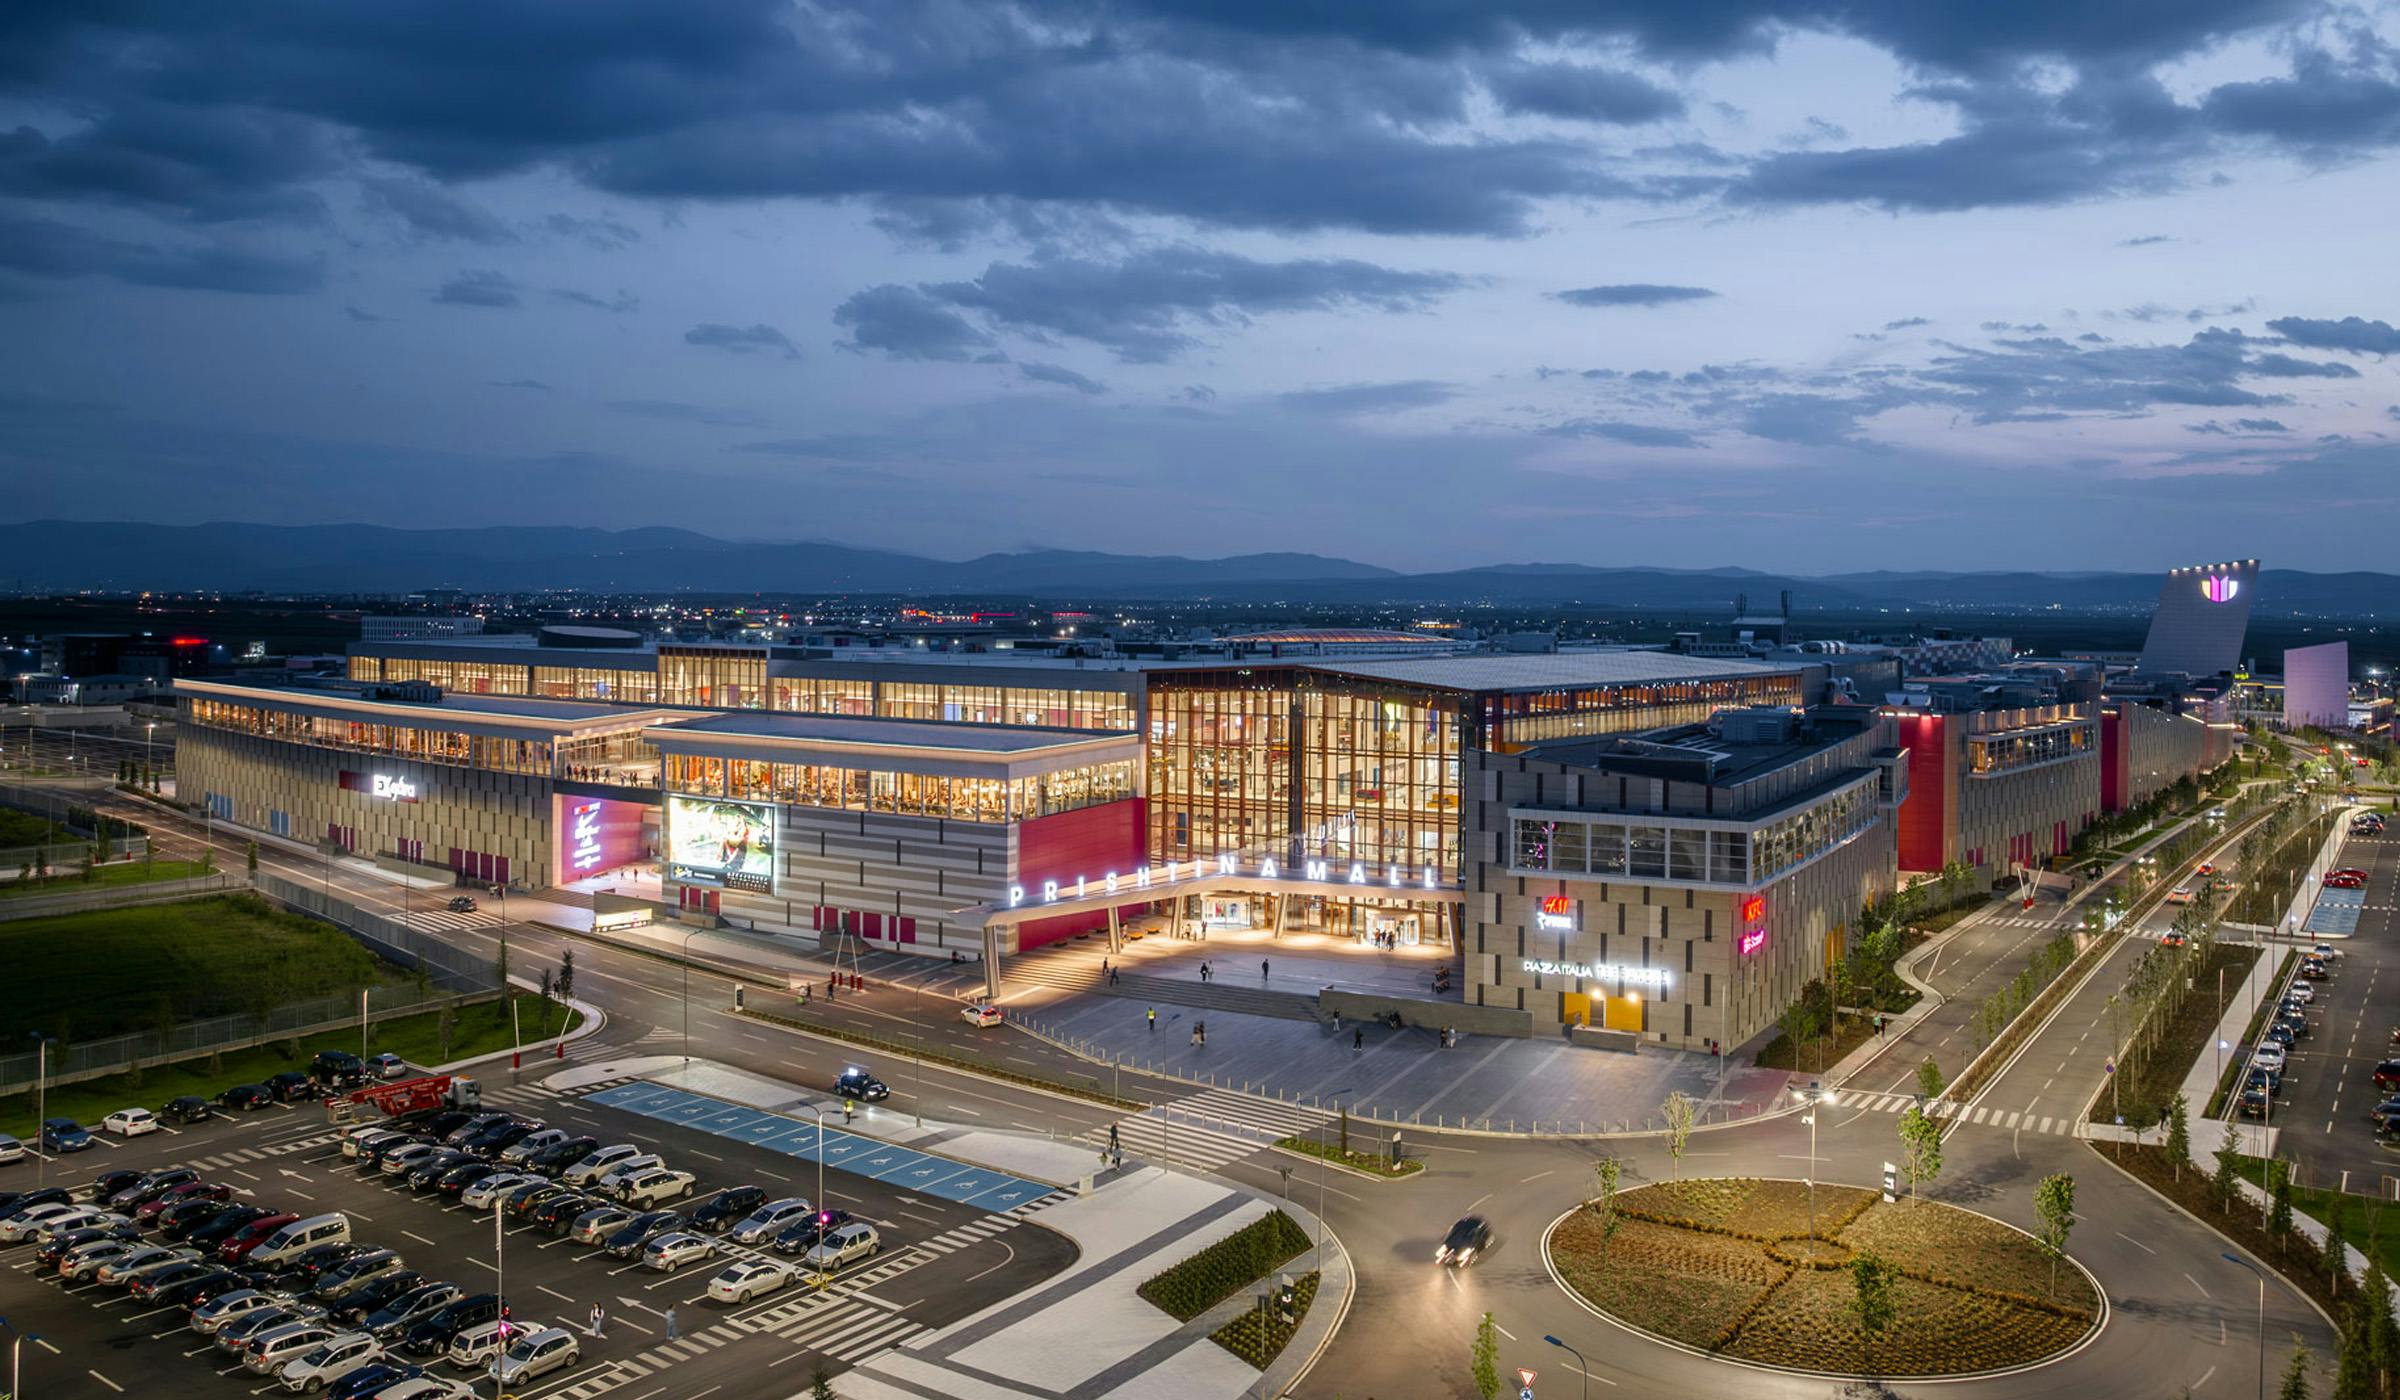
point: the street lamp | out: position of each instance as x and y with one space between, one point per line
16 1357
685 957
1816 1097
500 1285
2231 1258
1583 1368
41 1082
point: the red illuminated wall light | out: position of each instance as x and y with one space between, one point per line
1557 904
1754 908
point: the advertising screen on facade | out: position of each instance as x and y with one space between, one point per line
728 844
596 835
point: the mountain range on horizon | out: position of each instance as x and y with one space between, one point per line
53 555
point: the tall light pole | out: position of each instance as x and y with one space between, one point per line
684 956
41 1079
1583 1368
2232 1258
1817 1098
500 1283
16 1358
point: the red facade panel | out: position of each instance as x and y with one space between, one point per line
2112 761
1087 843
1924 818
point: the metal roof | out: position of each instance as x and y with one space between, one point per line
1550 670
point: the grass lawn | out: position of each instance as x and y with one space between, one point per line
23 829
1729 1266
107 972
124 872
2142 1088
480 1029
2369 1224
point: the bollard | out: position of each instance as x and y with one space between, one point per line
561 1048
517 1060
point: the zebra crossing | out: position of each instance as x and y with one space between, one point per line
1984 1115
444 921
265 1151
1209 1130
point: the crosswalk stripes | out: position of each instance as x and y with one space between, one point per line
444 921
1208 1129
1983 1115
1175 1143
1276 1120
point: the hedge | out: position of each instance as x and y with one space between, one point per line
1260 1335
1224 1268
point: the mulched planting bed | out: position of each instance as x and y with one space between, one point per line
1728 1266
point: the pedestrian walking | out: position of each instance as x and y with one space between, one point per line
1104 970
1113 1145
1200 1029
1112 977
1358 1038
1154 1020
672 1334
599 1327
1262 969
1195 1035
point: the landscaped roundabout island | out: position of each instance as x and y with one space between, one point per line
1729 1268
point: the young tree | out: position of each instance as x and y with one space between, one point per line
446 1028
2054 1205
2295 1375
2279 1201
1606 1173
1485 1359
500 965
2337 1254
566 974
1920 1149
1871 1300
1678 1111
1929 1079
2223 1183
2179 1133
250 858
2371 1321
820 1385
546 983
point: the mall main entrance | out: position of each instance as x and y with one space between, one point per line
1369 922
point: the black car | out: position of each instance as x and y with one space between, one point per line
434 1124
431 1336
105 1185
337 1067
557 1214
373 1378
559 1156
395 1315
489 1143
461 904
425 1175
373 1159
2253 1102
220 1227
2278 1035
245 1098
372 1295
457 1137
291 1086
1468 1239
808 1231
455 1181
13 1201
856 1083
191 1293
728 1206
150 1286
186 1108
51 1250
627 1242
304 1273
150 1185
524 1200
180 1219
2294 1022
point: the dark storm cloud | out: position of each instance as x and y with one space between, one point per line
1633 434
2278 366
1579 93
1061 375
2333 103
2349 333
1632 294
48 249
207 164
479 287
1347 399
429 211
754 339
907 323
1143 307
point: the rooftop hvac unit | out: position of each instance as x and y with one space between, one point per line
1762 725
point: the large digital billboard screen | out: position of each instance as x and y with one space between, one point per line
714 842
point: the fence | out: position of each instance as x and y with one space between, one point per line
91 1059
66 853
71 898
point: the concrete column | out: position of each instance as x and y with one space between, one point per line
991 963
1116 931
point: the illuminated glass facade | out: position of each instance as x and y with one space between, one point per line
908 794
1523 717
715 678
428 745
1697 852
2023 748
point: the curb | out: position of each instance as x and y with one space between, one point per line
1324 1343
1416 1175
593 1020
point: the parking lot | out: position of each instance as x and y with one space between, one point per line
945 1255
2330 1087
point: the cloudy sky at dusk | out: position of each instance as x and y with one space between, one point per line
1819 285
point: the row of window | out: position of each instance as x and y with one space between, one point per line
1638 849
401 741
2023 748
908 794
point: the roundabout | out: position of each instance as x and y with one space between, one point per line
1729 1268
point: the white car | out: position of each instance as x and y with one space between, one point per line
853 1241
474 1348
2304 991
537 1354
130 1122
118 1272
676 1248
76 1218
658 1184
746 1279
11 1150
210 1317
481 1195
625 1170
313 1370
20 1227
2268 1057
387 1066
608 1158
766 1222
982 1013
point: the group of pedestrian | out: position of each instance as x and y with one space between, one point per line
1449 1037
1199 1033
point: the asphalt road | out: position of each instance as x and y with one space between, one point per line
2330 1085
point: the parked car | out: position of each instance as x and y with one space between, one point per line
2387 1076
215 1315
845 1244
236 1336
336 1067
655 1185
536 1354
19 1227
457 1180
1468 1239
745 1279
521 1199
559 1156
615 1177
424 1387
2278 1035
269 1354
521 1151
982 1013
457 1137
2301 992
475 1348
356 1272
85 1260
491 1142
768 1220
856 1083
2268 1057
407 1157
429 1170
291 1086
149 1211
179 1220
376 1379
806 1233
149 1283
557 1213
727 1207
588 1169
245 1098
187 1108
104 1186
65 1135
393 1320
119 1272
195 1292
239 1245
387 1066
130 1122
628 1241
595 1226
57 1246
431 1335
369 1297
481 1195
329 1361
676 1248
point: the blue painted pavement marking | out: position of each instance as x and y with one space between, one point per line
935 1176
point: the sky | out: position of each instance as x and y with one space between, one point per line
1811 286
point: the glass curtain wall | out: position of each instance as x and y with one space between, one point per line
722 678
427 745
907 794
1523 717
624 687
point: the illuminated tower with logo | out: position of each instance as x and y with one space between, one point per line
2203 612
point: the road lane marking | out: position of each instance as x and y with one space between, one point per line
112 1385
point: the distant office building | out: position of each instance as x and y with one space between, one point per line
2203 611
2316 686
417 628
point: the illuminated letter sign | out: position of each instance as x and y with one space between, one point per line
1754 908
1752 941
1652 977
583 832
2220 588
1557 914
